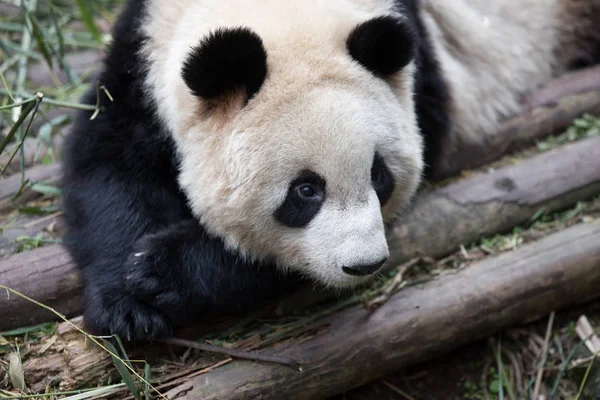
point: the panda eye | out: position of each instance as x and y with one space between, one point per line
305 196
381 179
377 175
306 191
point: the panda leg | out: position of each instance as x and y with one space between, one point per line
147 266
188 275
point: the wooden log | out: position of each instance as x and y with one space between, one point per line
439 221
46 274
488 203
359 346
10 186
28 225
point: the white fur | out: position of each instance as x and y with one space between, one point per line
493 52
318 110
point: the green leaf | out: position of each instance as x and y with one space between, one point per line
86 11
41 328
31 103
61 39
123 371
28 210
494 386
582 123
147 383
125 357
46 189
39 38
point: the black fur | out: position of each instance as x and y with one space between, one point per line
383 45
147 266
382 179
225 61
297 211
432 96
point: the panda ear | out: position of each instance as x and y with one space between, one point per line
383 45
227 60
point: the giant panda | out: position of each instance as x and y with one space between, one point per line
248 146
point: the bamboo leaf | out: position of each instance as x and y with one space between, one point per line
46 189
86 11
39 38
125 375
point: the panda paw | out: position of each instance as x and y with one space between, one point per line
116 313
151 275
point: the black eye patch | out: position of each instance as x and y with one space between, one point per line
305 196
381 179
383 45
225 61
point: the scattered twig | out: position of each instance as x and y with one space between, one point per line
396 283
517 369
233 353
397 390
94 339
544 355
181 378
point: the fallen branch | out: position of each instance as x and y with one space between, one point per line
245 355
486 204
394 285
560 270
46 274
439 222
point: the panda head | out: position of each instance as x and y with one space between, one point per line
297 147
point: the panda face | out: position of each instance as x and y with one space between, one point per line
297 146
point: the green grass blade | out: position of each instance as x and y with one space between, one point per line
147 383
125 356
125 375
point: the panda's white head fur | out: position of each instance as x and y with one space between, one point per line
294 123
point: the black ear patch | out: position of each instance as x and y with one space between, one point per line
383 45
225 61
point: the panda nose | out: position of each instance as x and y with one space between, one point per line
363 269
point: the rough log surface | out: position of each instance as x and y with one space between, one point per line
439 222
46 274
49 174
494 202
560 270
